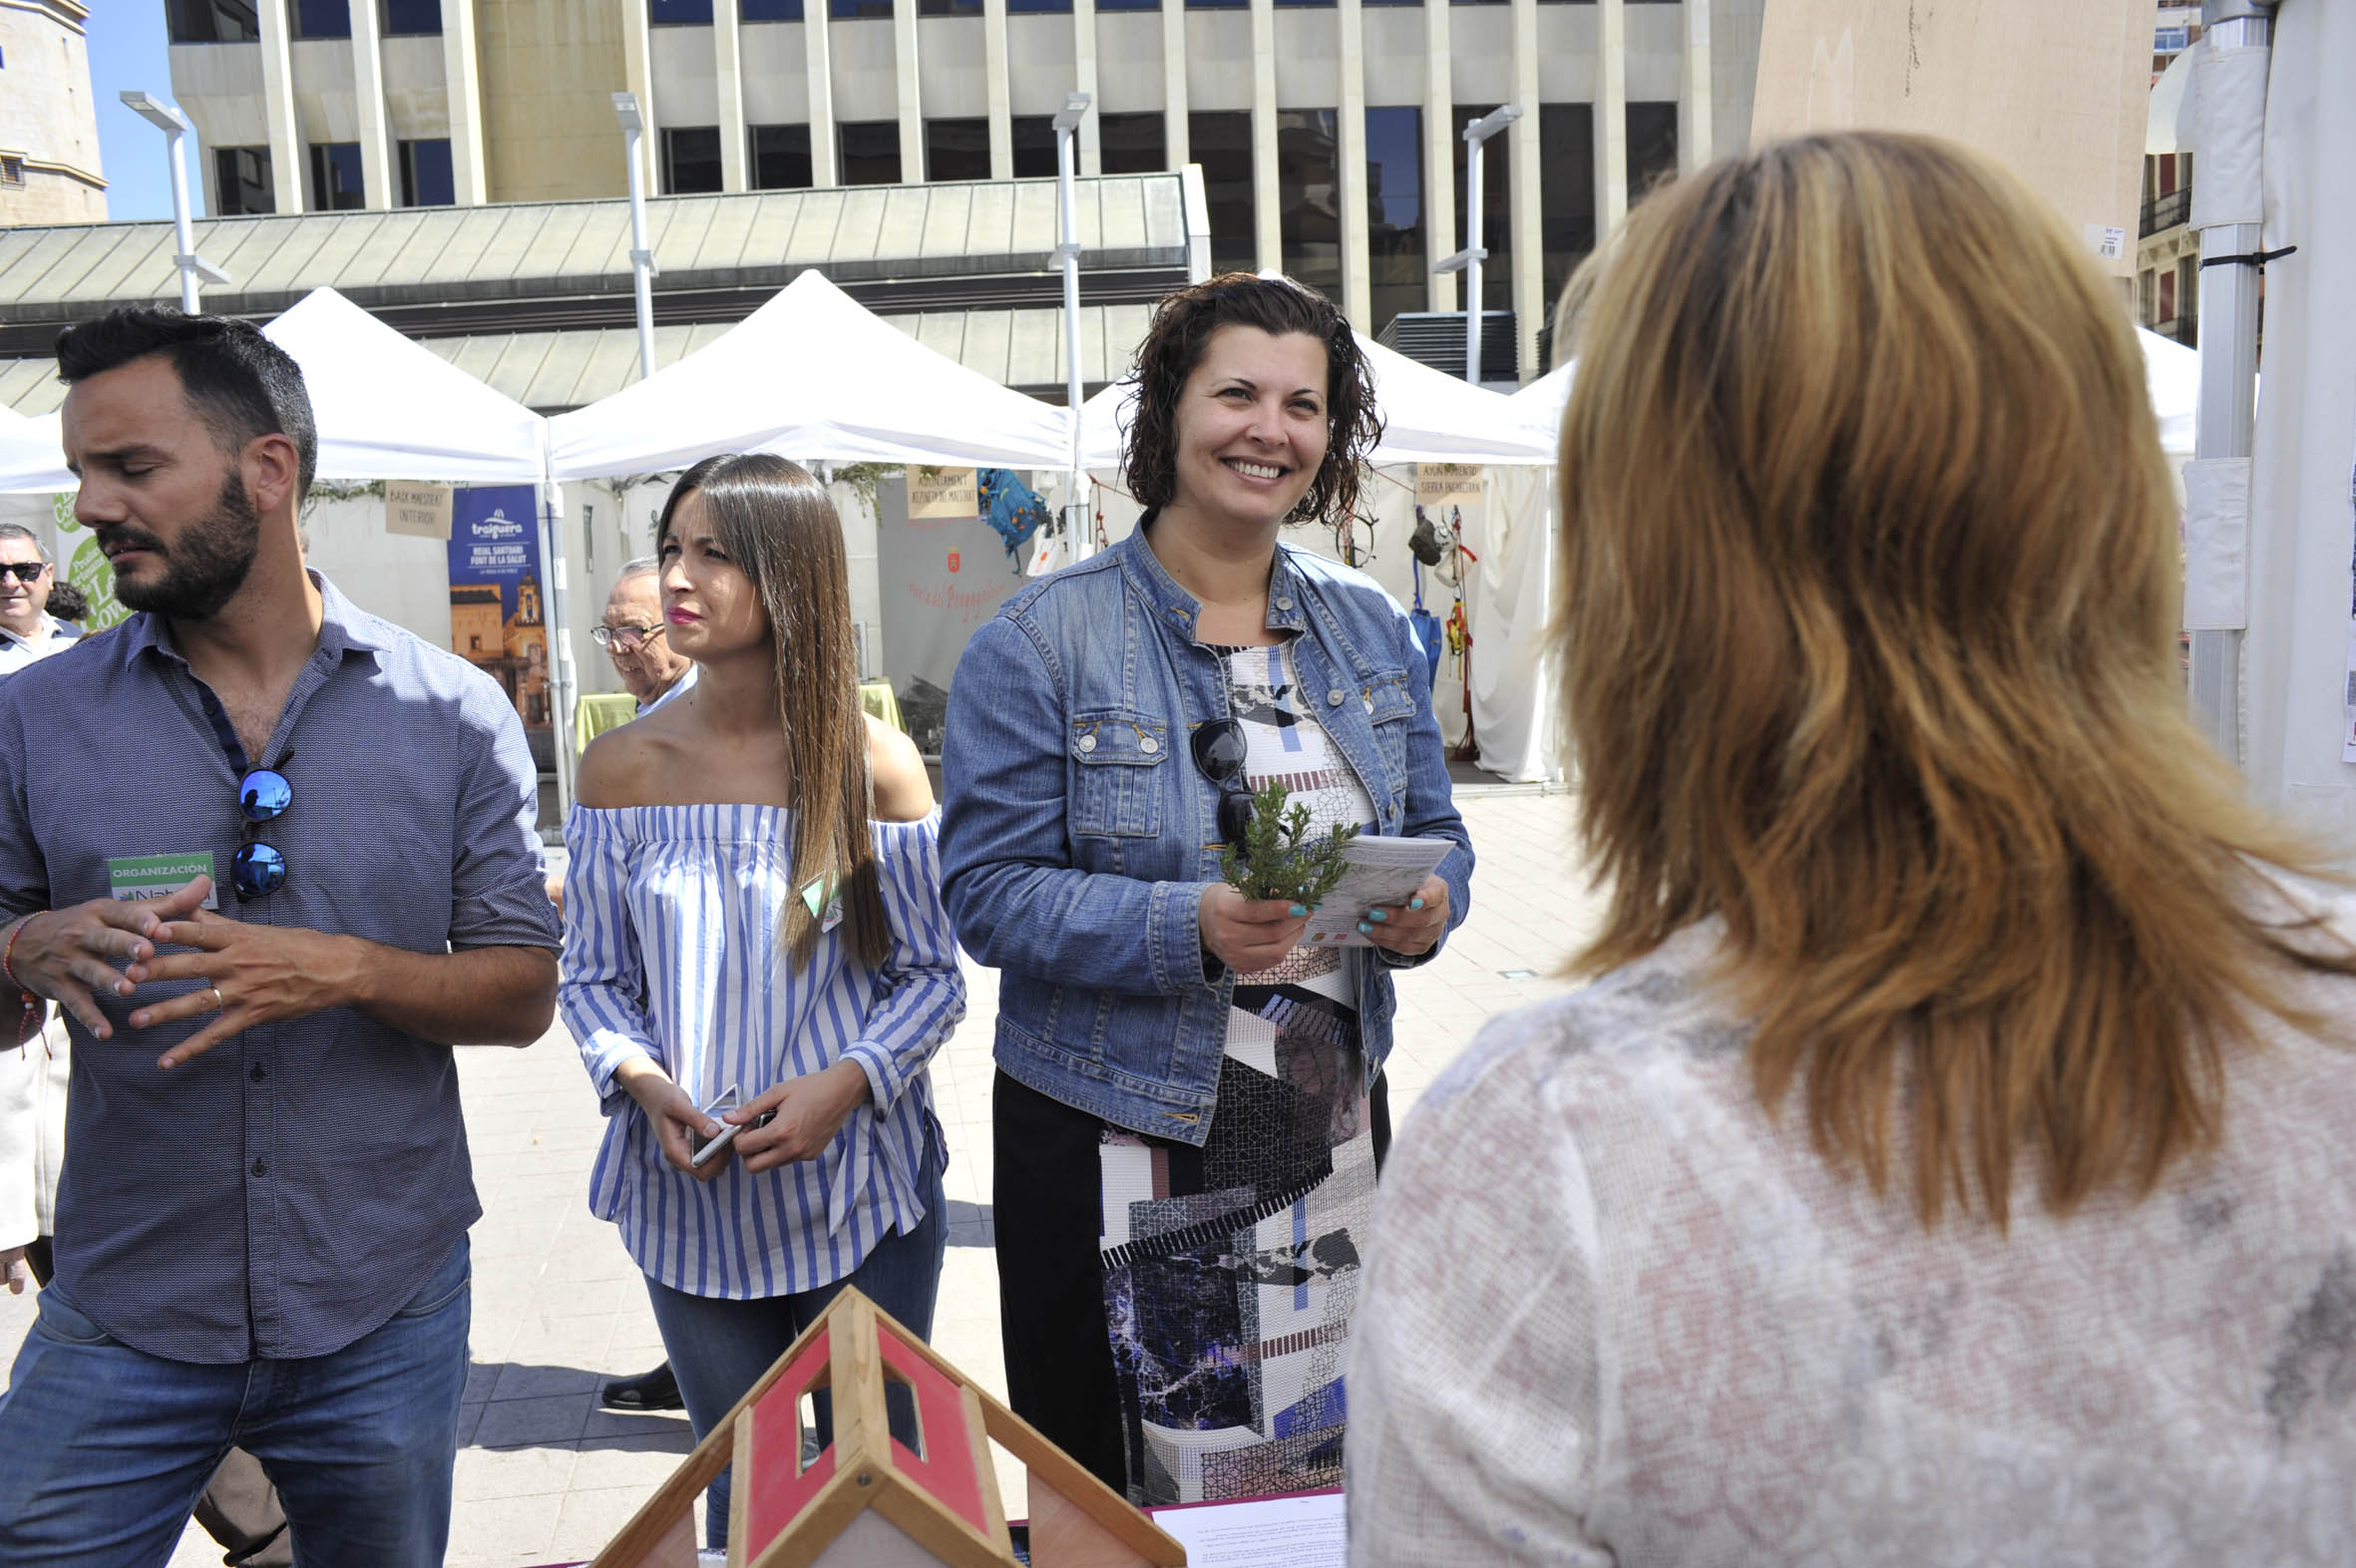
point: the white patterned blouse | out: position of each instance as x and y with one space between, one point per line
1614 1315
671 923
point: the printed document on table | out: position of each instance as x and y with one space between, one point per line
1300 1531
1381 870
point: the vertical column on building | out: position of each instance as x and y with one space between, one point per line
910 94
994 84
1083 72
1268 233
818 61
1528 229
1695 136
728 65
1177 143
1611 115
1349 171
380 170
462 71
638 68
1439 152
287 148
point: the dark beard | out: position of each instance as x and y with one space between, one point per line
205 567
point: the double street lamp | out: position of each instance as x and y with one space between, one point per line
193 268
1468 260
633 130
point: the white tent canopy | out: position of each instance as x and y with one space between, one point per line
1428 417
32 457
811 374
2171 373
387 408
384 408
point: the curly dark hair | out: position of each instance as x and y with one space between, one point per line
1173 346
66 601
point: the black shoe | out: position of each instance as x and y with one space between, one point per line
654 1391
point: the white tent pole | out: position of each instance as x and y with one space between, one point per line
559 624
2228 318
1067 131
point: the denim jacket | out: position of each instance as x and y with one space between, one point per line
1078 837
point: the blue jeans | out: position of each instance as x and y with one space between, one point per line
720 1349
107 1447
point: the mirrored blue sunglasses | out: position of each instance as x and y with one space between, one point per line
258 869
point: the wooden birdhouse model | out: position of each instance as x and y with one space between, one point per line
867 1498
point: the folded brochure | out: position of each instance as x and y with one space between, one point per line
1378 872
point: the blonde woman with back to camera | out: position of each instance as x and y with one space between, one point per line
1951 1160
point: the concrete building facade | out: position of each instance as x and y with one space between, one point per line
49 162
1327 134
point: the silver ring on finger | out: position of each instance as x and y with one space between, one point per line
220 1004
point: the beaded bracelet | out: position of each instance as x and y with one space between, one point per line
32 1012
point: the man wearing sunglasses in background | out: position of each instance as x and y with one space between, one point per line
26 630
276 857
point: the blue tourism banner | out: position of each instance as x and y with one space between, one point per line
496 617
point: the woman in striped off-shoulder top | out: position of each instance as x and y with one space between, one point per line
753 903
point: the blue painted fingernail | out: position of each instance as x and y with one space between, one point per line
1365 930
1414 904
1377 915
1297 912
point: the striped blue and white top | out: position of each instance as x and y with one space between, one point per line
671 923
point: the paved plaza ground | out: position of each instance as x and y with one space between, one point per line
544 1476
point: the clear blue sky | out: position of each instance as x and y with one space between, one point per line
128 50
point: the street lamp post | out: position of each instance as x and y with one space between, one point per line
633 130
1468 260
1068 133
193 268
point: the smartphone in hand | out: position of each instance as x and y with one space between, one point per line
704 1149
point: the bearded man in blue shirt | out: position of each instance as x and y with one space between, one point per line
280 862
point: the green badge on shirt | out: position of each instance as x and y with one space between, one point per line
160 876
825 903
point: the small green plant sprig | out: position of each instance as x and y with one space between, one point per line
1279 859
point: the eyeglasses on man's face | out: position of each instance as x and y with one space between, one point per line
26 572
624 640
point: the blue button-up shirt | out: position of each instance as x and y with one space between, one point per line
285 1192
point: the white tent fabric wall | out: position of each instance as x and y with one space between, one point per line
2296 655
1512 611
812 374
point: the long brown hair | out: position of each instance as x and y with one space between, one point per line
779 529
1869 644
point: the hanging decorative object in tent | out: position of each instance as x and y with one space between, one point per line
1013 510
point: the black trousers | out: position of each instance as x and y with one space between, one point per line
1046 1207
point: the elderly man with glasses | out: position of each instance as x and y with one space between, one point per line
633 635
26 630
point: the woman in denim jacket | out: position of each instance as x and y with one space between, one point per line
1189 1107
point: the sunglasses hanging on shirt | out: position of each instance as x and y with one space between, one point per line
258 869
1219 753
